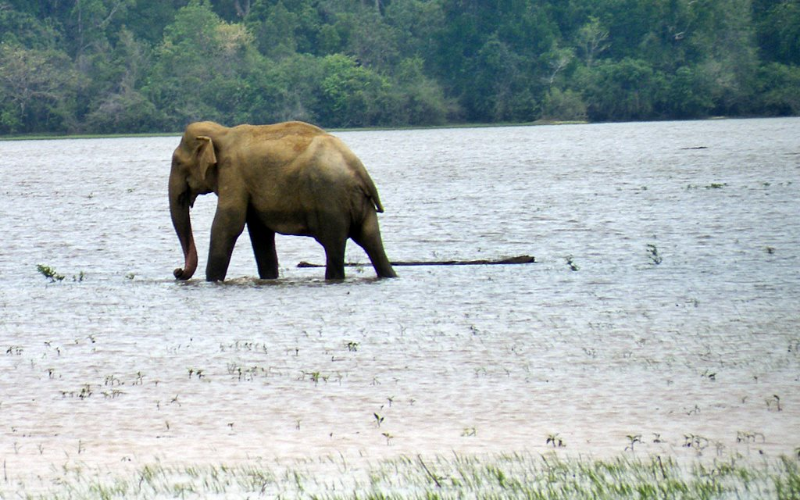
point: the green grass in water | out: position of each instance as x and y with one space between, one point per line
441 477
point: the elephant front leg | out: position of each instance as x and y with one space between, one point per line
228 225
263 240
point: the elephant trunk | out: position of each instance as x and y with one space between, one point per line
179 204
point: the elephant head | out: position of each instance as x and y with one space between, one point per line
193 173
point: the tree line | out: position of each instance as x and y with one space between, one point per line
128 66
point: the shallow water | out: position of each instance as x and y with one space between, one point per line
680 324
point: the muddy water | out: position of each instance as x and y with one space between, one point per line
679 324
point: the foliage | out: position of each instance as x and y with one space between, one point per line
154 65
36 87
49 273
502 476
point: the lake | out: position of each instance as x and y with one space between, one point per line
661 316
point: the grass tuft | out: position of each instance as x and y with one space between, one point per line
505 476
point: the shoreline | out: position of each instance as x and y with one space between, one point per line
537 123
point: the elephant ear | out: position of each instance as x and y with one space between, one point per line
206 157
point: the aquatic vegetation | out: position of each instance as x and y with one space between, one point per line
503 476
695 441
652 253
571 263
555 440
774 403
713 185
632 440
49 273
750 437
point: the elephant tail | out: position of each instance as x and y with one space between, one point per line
367 186
372 193
376 201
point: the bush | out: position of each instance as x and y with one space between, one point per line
566 105
125 112
780 89
624 90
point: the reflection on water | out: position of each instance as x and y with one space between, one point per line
679 322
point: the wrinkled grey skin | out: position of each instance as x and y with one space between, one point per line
287 178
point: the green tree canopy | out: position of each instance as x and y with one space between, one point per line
154 65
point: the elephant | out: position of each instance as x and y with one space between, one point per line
289 178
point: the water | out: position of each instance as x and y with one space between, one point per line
680 324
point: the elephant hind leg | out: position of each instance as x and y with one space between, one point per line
368 237
263 240
334 255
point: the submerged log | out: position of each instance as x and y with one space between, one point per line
519 259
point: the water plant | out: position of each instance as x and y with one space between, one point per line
695 441
571 263
500 476
428 472
555 440
15 350
632 440
49 273
652 253
749 437
774 403
712 376
713 185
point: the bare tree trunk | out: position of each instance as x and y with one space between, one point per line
378 5
519 259
242 8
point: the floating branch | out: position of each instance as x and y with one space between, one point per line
519 259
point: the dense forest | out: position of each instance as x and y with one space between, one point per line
83 66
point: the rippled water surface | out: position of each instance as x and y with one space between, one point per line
679 322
